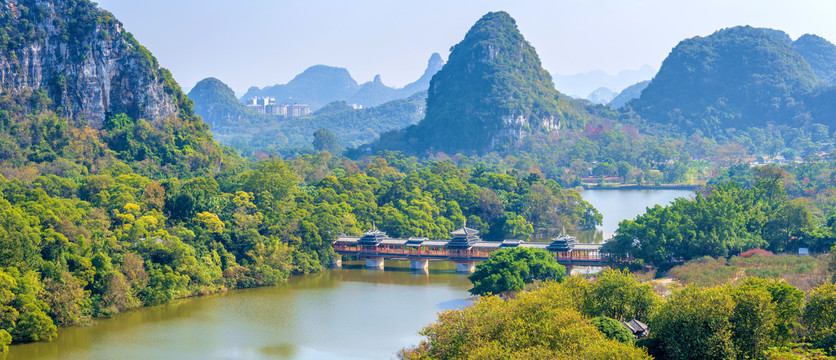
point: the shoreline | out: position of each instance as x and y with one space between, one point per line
640 187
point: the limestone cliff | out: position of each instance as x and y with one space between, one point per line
492 92
89 64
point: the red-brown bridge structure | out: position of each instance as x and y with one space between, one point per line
465 249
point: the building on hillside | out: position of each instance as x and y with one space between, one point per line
268 106
298 110
638 328
257 108
274 109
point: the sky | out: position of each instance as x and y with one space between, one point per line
265 42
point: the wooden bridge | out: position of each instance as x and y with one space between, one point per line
465 249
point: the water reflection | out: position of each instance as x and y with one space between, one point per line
350 313
617 205
336 314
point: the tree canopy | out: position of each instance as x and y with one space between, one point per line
511 269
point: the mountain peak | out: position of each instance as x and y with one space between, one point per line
820 54
734 78
92 69
97 76
434 64
316 86
492 91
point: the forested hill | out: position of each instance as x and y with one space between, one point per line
351 127
250 132
493 91
319 85
316 86
820 53
738 77
79 93
216 103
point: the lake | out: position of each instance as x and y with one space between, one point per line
617 205
339 314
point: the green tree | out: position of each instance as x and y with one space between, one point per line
819 318
511 269
694 324
752 321
325 140
534 325
616 294
613 329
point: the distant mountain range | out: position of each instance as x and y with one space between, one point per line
579 85
319 85
493 93
630 93
234 124
602 95
740 77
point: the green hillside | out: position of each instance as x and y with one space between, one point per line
492 92
57 117
820 53
735 78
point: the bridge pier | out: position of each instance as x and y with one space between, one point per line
374 263
419 264
467 267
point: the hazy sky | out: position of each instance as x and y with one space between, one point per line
265 42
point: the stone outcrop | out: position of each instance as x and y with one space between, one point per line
90 66
492 92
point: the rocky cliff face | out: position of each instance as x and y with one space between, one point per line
89 64
492 92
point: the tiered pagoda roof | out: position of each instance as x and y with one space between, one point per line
562 243
372 237
463 239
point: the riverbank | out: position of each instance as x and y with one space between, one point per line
338 314
639 187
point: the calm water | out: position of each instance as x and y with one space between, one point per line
340 314
617 205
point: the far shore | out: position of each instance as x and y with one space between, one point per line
639 187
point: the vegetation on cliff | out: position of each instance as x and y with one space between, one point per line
738 77
492 92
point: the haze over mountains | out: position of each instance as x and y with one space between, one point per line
493 92
320 84
581 85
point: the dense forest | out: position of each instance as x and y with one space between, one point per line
108 241
109 206
729 218
580 319
738 77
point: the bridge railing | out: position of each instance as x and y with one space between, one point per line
475 253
